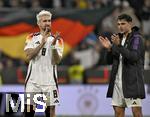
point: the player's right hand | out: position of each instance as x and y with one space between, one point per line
46 34
105 42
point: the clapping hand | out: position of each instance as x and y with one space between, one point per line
46 34
105 42
115 39
56 37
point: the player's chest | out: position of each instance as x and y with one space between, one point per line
38 41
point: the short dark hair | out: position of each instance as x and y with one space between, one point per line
125 17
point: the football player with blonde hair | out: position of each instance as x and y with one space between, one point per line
44 51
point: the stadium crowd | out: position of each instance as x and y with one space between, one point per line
89 48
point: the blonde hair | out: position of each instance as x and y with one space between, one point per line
42 13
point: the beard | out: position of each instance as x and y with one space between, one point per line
47 29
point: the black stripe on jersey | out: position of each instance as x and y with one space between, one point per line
28 76
55 79
53 36
36 34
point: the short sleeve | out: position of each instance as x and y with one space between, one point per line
29 42
60 47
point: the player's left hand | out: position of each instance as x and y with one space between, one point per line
56 37
115 39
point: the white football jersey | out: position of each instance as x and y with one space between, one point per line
40 69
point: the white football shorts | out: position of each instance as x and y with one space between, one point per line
36 94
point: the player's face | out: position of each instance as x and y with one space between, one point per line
45 22
124 26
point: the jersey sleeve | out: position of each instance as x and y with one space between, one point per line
60 46
29 42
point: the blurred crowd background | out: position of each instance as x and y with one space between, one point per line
86 62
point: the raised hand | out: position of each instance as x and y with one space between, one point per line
46 34
115 39
56 37
105 42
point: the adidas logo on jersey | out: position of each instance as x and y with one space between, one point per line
37 42
134 103
56 101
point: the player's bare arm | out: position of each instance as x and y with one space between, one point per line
56 58
31 53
